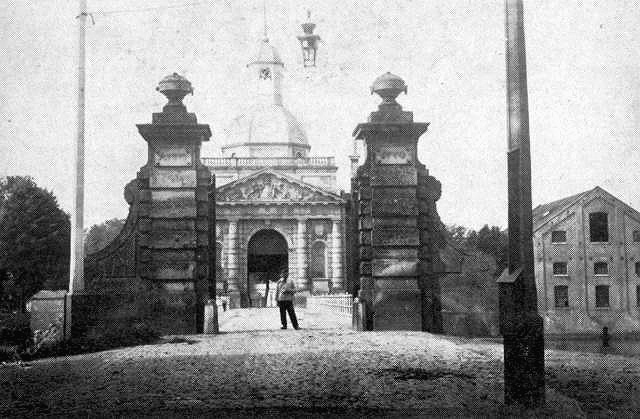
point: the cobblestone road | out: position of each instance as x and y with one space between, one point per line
254 368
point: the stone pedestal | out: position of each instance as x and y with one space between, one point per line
397 220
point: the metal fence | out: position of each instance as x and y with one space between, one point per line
336 303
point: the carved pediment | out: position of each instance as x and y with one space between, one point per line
271 187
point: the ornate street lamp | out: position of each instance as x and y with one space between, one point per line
309 42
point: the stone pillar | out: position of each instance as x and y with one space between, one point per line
302 281
397 219
173 211
233 264
337 253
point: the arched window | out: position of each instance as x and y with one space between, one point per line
318 265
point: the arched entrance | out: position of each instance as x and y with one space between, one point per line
267 256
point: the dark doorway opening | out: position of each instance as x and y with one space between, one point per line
267 257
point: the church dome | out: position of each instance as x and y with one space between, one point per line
264 124
266 128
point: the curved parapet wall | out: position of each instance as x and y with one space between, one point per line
119 258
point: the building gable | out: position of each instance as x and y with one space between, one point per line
546 215
268 186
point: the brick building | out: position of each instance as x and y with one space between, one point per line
587 263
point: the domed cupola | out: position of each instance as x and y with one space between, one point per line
266 128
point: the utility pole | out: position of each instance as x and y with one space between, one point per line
76 271
520 324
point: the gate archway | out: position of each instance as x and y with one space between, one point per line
267 257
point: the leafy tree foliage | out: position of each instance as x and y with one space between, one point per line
489 240
34 241
100 235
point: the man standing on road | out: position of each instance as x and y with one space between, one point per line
285 291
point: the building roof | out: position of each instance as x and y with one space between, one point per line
543 213
544 210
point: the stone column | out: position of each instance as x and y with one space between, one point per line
233 267
337 251
302 282
392 235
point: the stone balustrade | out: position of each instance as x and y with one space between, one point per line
261 162
335 303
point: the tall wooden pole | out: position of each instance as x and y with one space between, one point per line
76 271
520 324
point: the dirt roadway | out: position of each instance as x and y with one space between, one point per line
326 369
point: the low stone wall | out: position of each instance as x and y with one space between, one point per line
335 303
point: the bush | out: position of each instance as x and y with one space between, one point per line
14 329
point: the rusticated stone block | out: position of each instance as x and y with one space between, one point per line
394 222
366 253
395 253
399 283
394 267
173 271
397 310
397 237
173 204
394 175
365 238
160 225
172 239
395 206
172 178
365 223
397 192
365 268
365 208
170 255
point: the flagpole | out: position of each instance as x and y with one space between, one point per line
76 268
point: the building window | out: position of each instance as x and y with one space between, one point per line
318 265
602 296
558 236
559 268
636 236
601 268
637 268
599 226
637 295
561 296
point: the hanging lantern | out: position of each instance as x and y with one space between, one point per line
309 42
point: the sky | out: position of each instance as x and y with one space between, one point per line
583 61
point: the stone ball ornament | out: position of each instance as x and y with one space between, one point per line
388 86
175 87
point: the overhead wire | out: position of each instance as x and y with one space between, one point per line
149 9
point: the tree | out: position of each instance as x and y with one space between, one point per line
489 240
34 240
100 235
493 241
